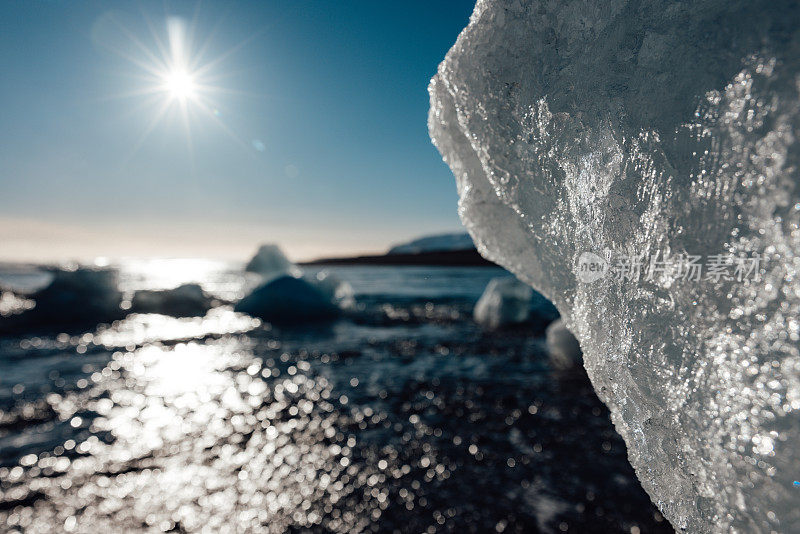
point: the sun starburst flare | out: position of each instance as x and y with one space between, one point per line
175 76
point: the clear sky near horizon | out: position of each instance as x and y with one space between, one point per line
201 129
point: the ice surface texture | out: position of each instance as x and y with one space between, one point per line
647 127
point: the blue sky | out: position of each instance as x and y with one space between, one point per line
309 129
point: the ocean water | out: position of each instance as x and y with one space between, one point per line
404 416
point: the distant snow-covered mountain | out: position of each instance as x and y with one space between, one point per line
435 243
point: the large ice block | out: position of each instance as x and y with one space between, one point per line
637 163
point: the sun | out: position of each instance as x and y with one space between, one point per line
180 85
178 77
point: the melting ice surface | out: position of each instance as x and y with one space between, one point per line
641 128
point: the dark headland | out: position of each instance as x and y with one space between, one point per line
460 258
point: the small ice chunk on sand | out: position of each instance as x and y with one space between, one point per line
505 301
564 349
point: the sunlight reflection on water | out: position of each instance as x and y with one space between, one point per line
142 328
405 416
223 279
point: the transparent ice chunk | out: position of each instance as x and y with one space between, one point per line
619 135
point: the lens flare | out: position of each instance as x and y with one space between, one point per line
178 78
